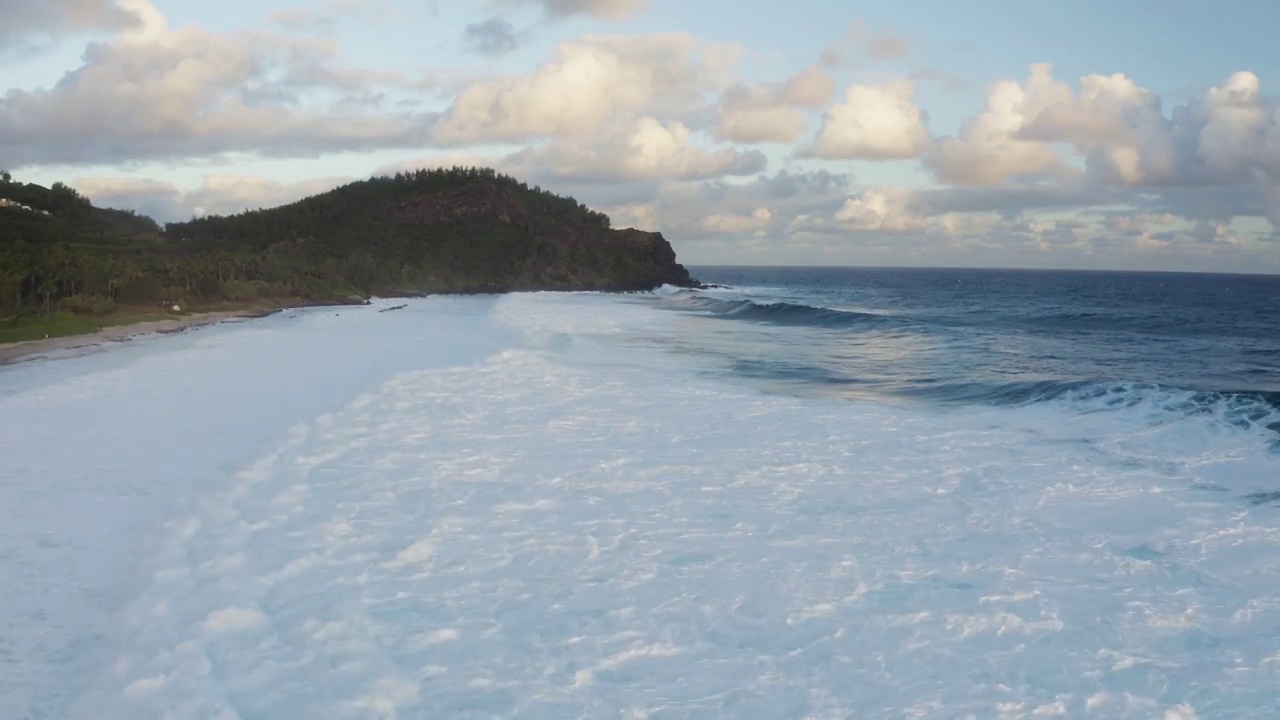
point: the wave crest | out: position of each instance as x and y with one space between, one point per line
778 313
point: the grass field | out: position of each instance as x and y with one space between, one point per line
62 323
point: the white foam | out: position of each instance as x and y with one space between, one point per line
591 528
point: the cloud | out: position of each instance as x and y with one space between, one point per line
927 224
600 9
1129 223
1138 230
1014 200
631 158
991 147
909 223
1053 215
588 85
887 45
749 122
816 184
1228 134
156 92
875 122
635 215
327 15
649 149
1212 158
658 129
885 210
725 208
32 22
494 36
753 223
216 195
811 87
1146 233
773 112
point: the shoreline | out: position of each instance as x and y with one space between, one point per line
28 350
12 353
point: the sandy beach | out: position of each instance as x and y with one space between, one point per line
62 346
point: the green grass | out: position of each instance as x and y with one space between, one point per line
62 323
66 324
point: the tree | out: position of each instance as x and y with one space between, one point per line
436 229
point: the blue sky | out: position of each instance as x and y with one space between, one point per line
807 132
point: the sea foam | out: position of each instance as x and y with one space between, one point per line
576 518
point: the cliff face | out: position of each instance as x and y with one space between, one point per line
655 260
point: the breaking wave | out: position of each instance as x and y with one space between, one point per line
1010 356
780 313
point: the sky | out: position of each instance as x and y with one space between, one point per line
993 133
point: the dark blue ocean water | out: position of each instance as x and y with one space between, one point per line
1208 342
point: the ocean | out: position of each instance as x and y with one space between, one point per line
1002 337
804 493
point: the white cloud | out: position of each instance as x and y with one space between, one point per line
1207 232
882 210
1227 135
29 22
773 112
1137 223
886 45
968 225
1236 122
990 147
875 122
1213 158
600 9
1137 230
590 84
739 224
749 123
721 208
811 87
216 195
157 92
648 149
642 216
656 129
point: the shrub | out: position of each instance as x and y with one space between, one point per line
88 304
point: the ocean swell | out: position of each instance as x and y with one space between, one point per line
1244 409
780 313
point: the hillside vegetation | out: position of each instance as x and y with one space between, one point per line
431 231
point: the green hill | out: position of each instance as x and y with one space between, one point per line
431 231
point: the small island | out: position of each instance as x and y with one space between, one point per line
68 268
